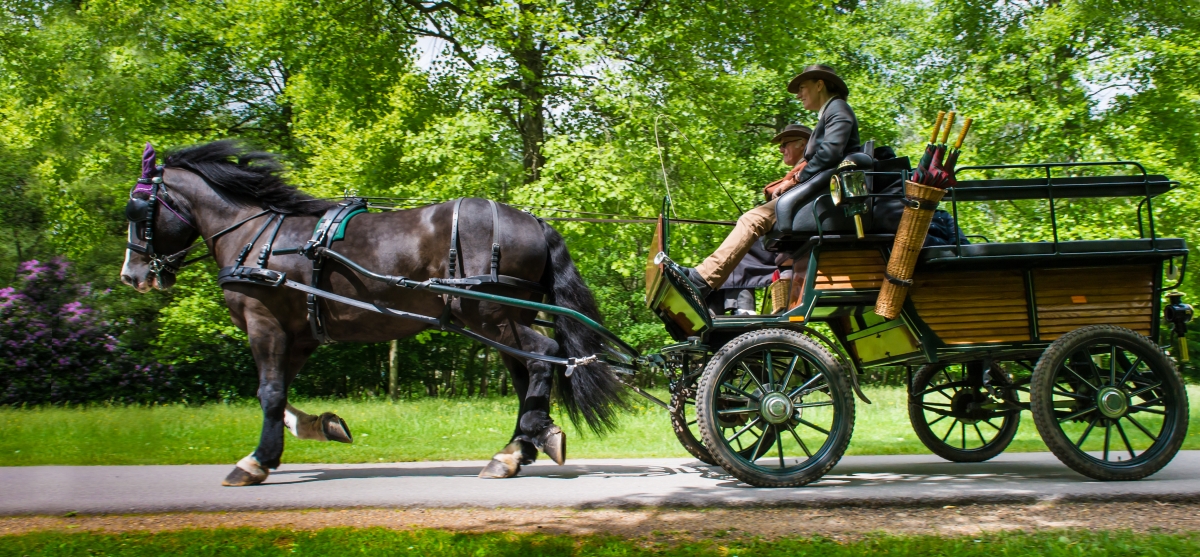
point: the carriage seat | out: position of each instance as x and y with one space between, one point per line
800 209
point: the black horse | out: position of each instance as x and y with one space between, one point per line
207 189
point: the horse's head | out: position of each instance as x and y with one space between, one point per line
160 230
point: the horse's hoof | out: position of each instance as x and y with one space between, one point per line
503 465
554 444
335 428
247 472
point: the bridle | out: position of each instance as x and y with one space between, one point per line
142 213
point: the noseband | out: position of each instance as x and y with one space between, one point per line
142 213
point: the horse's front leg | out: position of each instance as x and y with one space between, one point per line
276 356
325 427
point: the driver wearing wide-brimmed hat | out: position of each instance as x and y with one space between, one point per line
819 88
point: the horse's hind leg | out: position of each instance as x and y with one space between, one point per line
325 427
534 425
518 452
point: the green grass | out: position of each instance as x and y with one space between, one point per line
376 541
426 429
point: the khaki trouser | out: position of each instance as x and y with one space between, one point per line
750 227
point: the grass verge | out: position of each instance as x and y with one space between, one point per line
378 541
418 430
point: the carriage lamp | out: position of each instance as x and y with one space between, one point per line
1178 314
848 188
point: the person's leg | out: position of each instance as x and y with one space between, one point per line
750 227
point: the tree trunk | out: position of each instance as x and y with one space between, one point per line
393 368
531 116
504 383
487 372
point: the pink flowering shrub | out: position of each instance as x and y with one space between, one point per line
54 348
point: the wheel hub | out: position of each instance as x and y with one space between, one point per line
1112 402
776 408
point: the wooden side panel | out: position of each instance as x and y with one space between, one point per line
974 307
850 270
1068 299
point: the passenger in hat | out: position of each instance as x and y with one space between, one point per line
820 89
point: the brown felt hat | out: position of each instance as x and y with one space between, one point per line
792 132
833 83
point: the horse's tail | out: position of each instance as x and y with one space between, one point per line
592 392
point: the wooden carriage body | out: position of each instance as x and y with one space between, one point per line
1006 300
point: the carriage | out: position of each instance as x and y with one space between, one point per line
1065 329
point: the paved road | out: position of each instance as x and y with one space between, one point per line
862 480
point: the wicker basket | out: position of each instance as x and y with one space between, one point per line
910 237
779 295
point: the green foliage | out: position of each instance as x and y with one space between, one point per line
560 107
380 541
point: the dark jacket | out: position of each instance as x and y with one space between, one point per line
835 135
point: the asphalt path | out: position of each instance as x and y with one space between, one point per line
857 480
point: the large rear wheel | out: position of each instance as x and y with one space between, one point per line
775 409
1109 403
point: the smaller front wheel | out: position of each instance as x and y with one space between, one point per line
775 409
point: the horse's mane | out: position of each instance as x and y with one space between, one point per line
235 169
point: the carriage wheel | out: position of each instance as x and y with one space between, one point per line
686 425
775 409
683 421
959 419
1109 403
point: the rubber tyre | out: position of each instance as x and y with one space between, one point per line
683 432
1175 420
840 394
916 416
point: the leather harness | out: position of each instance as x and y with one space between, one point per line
322 239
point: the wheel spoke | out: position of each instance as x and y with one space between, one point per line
1092 366
944 416
1144 389
733 411
1107 437
1082 438
744 429
989 422
779 446
1112 365
1077 414
806 384
979 433
964 435
949 431
814 404
1128 447
746 368
1067 365
812 425
738 391
1139 425
791 368
1130 371
754 454
799 441
693 422
1145 409
941 388
769 367
1072 395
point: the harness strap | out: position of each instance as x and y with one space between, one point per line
897 281
454 254
495 241
241 258
323 237
265 254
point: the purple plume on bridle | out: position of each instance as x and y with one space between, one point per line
148 160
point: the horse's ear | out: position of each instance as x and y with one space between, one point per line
148 158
